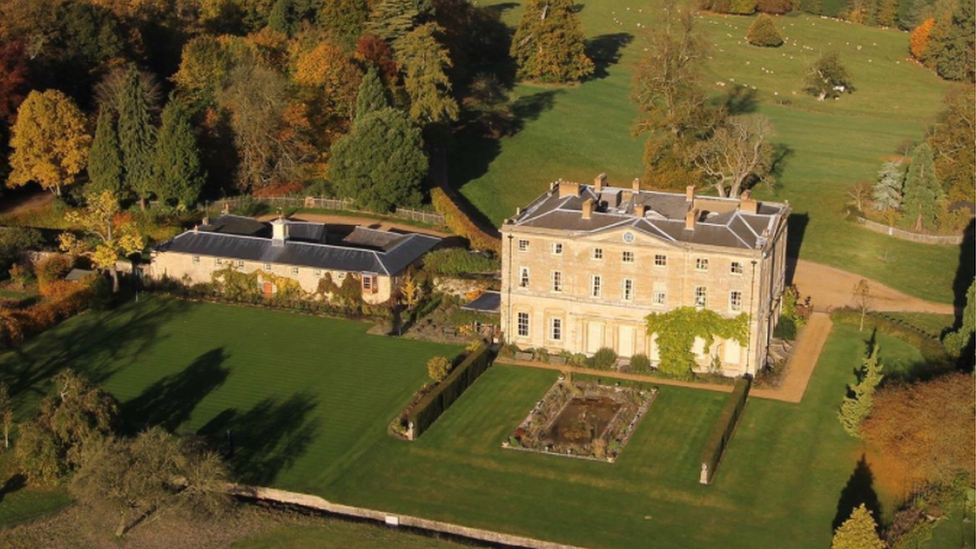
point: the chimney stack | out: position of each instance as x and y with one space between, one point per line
588 205
279 231
640 210
636 184
747 204
206 220
226 209
690 218
568 189
690 193
599 182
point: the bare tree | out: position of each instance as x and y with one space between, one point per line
860 194
863 299
738 155
6 413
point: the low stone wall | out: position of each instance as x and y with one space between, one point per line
320 504
908 235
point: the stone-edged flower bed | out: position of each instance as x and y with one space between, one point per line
583 419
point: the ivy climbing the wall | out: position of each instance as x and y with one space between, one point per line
676 332
239 285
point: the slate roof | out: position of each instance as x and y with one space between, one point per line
399 252
720 223
488 302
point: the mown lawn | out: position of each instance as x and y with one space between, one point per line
577 132
307 401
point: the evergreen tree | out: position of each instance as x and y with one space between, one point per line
961 339
424 61
282 17
858 532
137 135
923 192
887 15
814 7
381 162
178 170
345 18
955 46
105 159
887 191
763 32
549 45
854 409
394 19
372 94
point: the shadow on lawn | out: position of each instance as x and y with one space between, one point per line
89 346
170 401
15 483
859 489
265 439
605 50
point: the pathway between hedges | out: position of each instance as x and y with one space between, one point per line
796 375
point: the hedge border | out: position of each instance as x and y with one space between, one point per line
429 408
929 345
721 435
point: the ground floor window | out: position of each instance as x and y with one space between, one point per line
735 300
701 296
523 324
556 329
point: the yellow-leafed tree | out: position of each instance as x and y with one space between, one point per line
49 142
111 235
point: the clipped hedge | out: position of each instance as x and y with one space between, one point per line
436 402
930 347
459 222
458 261
724 427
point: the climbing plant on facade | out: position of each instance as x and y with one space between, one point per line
677 329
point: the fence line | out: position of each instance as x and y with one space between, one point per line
320 504
908 235
339 204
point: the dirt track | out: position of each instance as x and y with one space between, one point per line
830 288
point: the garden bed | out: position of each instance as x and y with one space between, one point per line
583 419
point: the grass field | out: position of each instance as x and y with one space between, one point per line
308 400
577 132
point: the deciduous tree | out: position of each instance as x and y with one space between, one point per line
887 14
424 62
918 42
549 44
109 235
203 70
331 79
13 80
346 19
923 192
763 32
955 46
372 50
951 139
862 300
49 141
858 532
738 155
177 167
827 78
857 405
487 101
6 413
394 19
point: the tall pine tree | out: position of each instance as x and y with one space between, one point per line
549 45
137 135
372 94
105 159
424 62
923 192
178 171
394 19
887 191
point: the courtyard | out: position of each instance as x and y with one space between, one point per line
307 400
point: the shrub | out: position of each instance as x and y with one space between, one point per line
742 7
776 7
438 367
435 403
16 240
51 269
604 358
578 359
20 274
458 261
763 33
459 223
785 328
724 427
640 363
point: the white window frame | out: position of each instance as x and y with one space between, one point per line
701 264
218 262
267 267
659 298
240 264
522 329
294 271
596 254
701 297
627 289
737 265
196 260
735 301
556 282
596 286
524 278
557 248
523 245
627 256
556 328
660 261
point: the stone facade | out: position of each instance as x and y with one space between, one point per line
581 290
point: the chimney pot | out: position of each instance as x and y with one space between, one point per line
599 182
588 208
690 218
636 184
690 193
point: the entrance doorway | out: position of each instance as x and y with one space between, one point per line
625 341
594 337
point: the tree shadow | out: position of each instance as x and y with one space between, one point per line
605 50
859 489
266 439
170 401
781 155
740 100
16 482
967 267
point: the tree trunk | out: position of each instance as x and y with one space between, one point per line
115 281
142 203
6 436
120 530
864 311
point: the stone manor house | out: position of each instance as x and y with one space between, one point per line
583 265
297 250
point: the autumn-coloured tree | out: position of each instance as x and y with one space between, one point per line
49 142
763 33
951 139
13 79
929 427
346 19
858 532
923 193
331 78
918 43
775 7
411 291
109 235
203 70
394 19
549 44
372 50
424 62
738 155
887 14
863 300
438 367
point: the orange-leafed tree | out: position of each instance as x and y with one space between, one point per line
110 235
918 44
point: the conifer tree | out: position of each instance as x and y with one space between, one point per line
372 94
887 15
763 32
394 19
956 342
137 135
858 532
955 44
854 409
282 17
105 159
923 192
345 18
549 45
887 191
178 171
424 61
